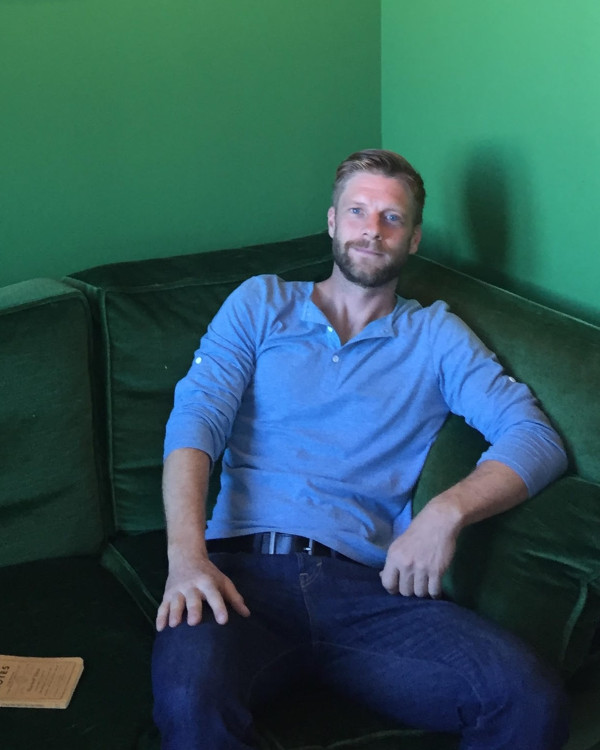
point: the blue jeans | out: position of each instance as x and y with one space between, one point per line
424 663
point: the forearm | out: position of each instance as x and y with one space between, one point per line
490 489
193 579
185 482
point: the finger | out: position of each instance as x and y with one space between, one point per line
176 610
193 604
217 604
421 584
435 587
389 579
236 600
406 585
162 616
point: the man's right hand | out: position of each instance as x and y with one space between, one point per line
189 586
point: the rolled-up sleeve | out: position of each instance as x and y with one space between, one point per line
475 386
207 399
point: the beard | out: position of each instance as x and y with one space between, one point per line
364 277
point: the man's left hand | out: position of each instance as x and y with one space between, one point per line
418 558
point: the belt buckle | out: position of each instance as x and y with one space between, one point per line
271 547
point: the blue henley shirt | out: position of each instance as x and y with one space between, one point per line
326 440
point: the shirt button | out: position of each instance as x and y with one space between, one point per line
330 329
198 360
335 358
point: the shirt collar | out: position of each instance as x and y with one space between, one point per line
381 328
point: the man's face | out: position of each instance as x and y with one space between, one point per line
372 229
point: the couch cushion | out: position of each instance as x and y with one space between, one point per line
150 316
72 607
534 569
49 495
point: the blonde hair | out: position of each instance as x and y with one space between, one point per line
388 164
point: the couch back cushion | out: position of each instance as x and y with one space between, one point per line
150 316
49 490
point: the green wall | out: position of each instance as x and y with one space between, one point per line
133 128
498 104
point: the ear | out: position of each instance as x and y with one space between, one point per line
415 240
331 221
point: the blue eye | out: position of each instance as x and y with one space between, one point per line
394 218
354 210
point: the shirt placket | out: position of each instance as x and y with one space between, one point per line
333 358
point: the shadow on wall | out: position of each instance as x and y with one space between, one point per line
492 231
499 216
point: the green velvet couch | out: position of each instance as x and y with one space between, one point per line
87 373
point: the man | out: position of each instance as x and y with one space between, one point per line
327 398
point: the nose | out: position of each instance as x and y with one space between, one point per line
372 227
